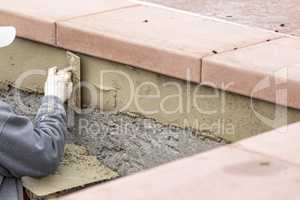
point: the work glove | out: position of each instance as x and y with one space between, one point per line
7 35
59 84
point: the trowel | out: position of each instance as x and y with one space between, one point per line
74 103
74 65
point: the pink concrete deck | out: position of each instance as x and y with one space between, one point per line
155 39
260 168
35 19
260 71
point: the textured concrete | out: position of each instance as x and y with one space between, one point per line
262 71
77 170
123 142
170 101
282 16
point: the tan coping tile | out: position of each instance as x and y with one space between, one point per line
282 143
224 173
156 39
268 71
35 19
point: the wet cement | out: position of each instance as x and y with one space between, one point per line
125 143
78 169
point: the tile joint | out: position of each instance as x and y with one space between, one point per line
237 49
246 46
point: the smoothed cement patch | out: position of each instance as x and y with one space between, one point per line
76 170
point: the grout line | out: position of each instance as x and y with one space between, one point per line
237 49
55 34
140 3
201 71
280 35
246 46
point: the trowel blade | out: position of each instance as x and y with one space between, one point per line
74 63
74 103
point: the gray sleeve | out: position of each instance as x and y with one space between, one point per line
27 150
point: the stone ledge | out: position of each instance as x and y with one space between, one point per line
35 19
268 71
155 39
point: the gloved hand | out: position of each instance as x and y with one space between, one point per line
59 84
7 35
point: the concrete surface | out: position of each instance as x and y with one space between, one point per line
268 71
282 16
280 143
124 143
78 169
36 19
152 39
155 39
30 59
172 101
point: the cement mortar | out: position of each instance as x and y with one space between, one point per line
209 110
126 144
77 170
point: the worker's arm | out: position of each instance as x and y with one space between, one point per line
27 150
